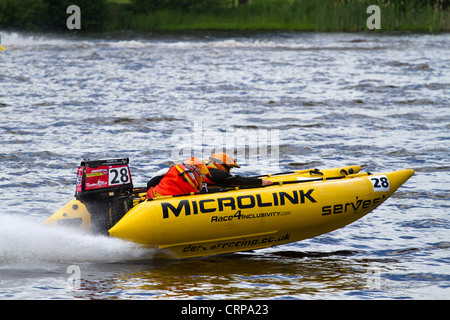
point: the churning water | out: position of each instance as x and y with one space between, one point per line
280 101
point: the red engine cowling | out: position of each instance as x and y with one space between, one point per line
104 178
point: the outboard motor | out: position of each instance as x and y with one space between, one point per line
105 187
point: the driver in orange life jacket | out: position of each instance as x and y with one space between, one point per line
219 166
182 178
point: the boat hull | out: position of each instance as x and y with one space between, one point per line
247 219
83 215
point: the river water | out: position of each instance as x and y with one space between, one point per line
279 102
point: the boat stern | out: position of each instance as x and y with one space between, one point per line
73 214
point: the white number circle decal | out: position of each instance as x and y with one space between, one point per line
380 183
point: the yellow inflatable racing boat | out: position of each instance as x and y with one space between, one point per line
299 205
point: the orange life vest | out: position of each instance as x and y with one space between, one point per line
207 179
178 180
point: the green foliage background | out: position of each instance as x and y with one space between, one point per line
167 15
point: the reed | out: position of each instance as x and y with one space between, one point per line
301 15
169 15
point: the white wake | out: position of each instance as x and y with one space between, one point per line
27 243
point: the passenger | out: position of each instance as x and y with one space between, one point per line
220 165
182 178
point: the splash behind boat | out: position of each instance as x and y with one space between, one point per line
299 205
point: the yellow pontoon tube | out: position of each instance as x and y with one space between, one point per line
246 219
299 205
83 213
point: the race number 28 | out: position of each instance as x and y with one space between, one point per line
380 183
119 176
